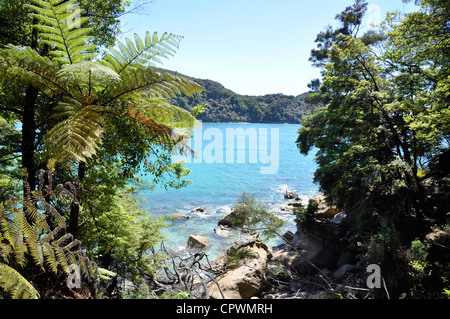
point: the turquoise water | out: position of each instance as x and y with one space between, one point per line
266 164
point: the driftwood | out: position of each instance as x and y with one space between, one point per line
190 272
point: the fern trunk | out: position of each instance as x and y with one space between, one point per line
29 125
29 135
75 206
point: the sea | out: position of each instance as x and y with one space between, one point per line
229 158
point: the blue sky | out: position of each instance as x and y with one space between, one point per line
253 47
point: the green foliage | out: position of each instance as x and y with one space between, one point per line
68 44
306 215
234 256
381 245
143 292
14 21
365 134
108 111
256 215
223 105
176 294
10 176
103 17
35 233
121 85
418 250
13 283
382 136
120 235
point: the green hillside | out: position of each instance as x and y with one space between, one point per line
224 105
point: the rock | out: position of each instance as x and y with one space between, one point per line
323 209
438 243
346 258
241 283
283 255
227 220
200 210
338 274
291 195
198 242
339 218
288 236
180 216
248 231
232 219
295 204
222 231
244 277
287 208
324 295
322 253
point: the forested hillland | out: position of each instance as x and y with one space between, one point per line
224 105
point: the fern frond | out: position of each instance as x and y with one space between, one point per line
61 259
88 78
30 68
162 133
106 274
146 81
25 236
78 136
15 284
19 250
50 259
166 113
37 254
68 44
142 54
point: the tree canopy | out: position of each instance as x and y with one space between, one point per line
382 136
91 118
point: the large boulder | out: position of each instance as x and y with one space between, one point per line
233 219
324 210
309 250
198 242
291 195
244 266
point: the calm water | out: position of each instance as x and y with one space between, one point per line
266 164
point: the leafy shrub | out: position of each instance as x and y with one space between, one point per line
256 215
234 256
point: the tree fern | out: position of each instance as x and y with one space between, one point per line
26 237
122 84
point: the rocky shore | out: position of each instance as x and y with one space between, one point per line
321 260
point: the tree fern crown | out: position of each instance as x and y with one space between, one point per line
121 84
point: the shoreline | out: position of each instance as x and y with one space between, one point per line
209 217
